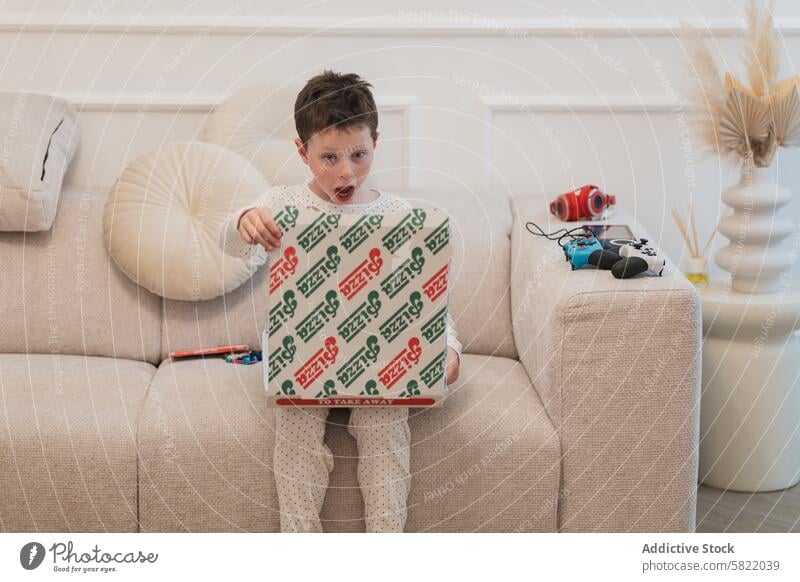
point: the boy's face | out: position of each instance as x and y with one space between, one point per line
340 160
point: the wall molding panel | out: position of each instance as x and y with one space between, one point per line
380 26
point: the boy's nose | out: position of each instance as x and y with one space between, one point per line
346 172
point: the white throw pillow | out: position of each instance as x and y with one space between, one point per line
258 124
162 219
39 137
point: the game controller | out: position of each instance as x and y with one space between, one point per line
245 358
625 258
578 251
637 257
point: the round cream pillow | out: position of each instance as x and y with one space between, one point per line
162 219
258 124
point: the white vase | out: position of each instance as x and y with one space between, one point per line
755 257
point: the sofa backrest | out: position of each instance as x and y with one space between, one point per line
235 318
479 293
62 294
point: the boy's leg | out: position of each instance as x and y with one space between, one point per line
384 465
302 463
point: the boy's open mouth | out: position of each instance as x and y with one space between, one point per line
345 192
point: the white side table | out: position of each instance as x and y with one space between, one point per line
750 410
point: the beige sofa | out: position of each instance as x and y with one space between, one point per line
576 408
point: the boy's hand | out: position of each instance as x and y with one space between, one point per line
256 226
452 365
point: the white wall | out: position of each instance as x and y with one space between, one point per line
525 97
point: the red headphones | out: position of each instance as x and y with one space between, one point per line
585 202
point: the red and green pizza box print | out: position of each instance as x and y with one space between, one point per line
358 309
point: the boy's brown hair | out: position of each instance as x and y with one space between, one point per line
334 100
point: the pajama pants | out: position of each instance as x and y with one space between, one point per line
303 462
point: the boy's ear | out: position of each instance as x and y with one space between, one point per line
375 141
301 149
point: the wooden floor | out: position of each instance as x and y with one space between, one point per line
728 511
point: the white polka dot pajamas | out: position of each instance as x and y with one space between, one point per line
303 462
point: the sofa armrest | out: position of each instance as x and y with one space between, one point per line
617 366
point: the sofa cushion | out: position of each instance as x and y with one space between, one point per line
61 294
205 450
162 219
488 460
40 136
68 442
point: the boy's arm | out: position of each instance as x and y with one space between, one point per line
232 243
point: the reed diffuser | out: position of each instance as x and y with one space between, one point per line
697 263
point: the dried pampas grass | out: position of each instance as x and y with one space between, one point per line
707 91
762 52
737 121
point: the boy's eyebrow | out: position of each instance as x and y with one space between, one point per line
327 151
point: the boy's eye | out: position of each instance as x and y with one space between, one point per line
360 154
329 158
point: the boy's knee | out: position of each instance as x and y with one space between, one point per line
378 416
378 423
293 420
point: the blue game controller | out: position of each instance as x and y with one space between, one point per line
578 251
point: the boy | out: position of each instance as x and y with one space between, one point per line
337 125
